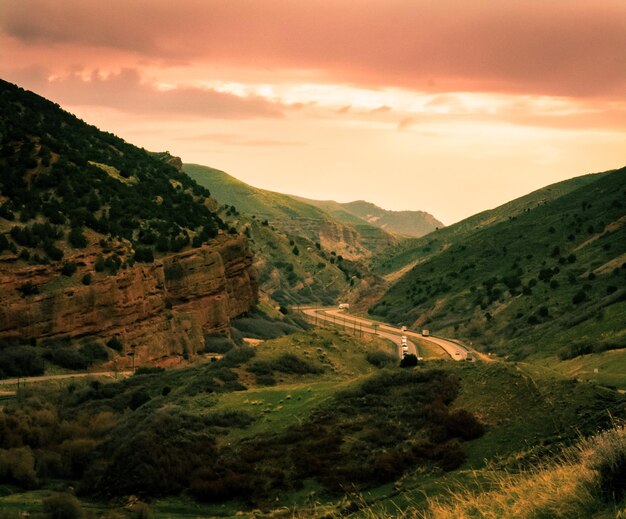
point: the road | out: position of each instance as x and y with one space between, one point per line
393 333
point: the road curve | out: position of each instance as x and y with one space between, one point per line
454 350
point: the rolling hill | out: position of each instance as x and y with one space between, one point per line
294 216
303 254
408 223
540 275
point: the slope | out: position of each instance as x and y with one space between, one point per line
550 273
293 216
408 223
102 243
412 251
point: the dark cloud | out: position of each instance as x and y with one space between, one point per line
561 47
126 92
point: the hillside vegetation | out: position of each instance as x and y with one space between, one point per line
548 278
66 184
290 427
293 216
303 254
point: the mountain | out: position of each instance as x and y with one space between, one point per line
293 215
304 255
541 275
409 223
103 244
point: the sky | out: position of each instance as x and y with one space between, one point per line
446 106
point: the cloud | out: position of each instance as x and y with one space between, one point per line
231 139
125 91
559 48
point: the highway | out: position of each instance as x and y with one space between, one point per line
454 350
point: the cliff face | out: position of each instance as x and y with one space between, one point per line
155 310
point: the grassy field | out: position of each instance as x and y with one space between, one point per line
529 413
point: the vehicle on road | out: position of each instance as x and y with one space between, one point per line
403 329
344 306
425 333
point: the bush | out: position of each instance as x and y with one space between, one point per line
77 239
63 506
463 424
86 280
18 466
579 297
68 269
138 398
144 255
217 344
93 352
380 359
408 361
28 289
66 357
20 361
115 344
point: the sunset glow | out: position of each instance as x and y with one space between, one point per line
448 107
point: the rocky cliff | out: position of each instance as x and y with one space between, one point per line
155 310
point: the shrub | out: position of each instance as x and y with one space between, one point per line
138 398
77 239
66 357
217 344
463 424
86 280
18 466
63 506
144 255
93 351
68 269
238 356
20 361
408 361
380 359
28 289
115 344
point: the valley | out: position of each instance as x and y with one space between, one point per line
177 343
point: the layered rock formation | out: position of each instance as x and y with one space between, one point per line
155 310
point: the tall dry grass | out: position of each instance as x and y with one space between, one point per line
588 480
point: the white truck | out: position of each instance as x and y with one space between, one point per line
344 306
425 333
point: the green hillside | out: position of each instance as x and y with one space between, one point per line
542 274
65 184
416 250
352 239
300 426
408 223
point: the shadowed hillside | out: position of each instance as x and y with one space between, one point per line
543 272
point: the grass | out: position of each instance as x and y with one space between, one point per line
525 284
607 368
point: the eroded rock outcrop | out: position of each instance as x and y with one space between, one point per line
155 310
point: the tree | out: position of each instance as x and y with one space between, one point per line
76 238
408 361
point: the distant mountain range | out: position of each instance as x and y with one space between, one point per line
408 223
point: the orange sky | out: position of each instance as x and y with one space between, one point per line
450 106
